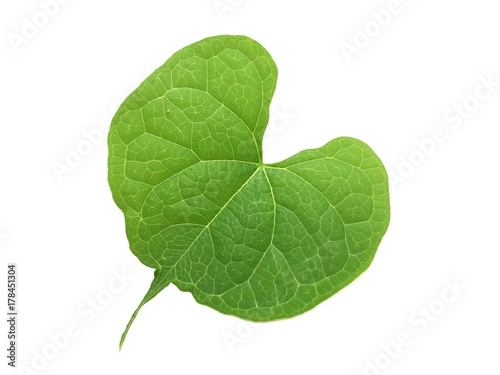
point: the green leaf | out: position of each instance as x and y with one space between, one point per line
254 240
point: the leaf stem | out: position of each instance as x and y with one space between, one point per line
160 282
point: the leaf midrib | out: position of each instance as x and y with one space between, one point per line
259 167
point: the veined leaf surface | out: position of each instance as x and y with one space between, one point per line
254 240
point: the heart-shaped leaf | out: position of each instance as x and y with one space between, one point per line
258 241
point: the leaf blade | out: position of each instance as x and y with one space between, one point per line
261 242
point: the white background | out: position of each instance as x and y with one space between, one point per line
67 236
